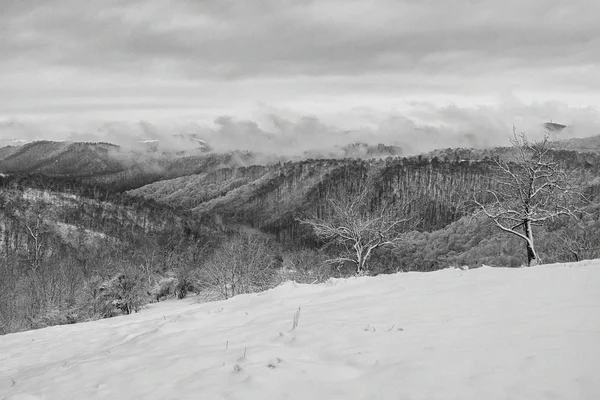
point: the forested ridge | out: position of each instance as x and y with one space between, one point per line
111 166
63 242
265 197
271 197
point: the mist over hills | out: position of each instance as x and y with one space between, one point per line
73 158
415 126
109 164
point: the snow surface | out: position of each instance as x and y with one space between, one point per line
488 333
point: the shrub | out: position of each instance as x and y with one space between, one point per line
175 284
123 293
306 266
244 264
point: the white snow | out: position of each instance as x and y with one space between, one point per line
70 232
50 197
530 333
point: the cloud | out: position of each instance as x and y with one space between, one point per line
230 39
74 63
422 127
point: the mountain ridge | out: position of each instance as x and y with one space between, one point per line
87 159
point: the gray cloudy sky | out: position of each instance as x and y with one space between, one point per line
461 67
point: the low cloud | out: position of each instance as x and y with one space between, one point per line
420 128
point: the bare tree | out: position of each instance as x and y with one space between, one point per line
531 189
305 266
243 264
359 226
35 228
580 241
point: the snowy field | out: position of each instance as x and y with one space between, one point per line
531 333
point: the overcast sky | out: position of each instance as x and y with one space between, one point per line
388 69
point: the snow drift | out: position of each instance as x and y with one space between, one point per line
488 333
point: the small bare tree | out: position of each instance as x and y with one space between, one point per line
243 264
360 227
35 245
531 189
580 241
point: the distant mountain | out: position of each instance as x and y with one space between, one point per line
357 150
125 169
13 142
7 150
580 152
178 142
194 140
62 158
152 160
588 145
554 127
112 165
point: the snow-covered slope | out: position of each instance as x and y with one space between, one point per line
481 334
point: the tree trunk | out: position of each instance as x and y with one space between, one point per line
532 257
360 267
363 256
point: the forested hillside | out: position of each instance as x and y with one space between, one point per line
583 145
122 169
111 166
62 158
62 243
437 192
271 197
